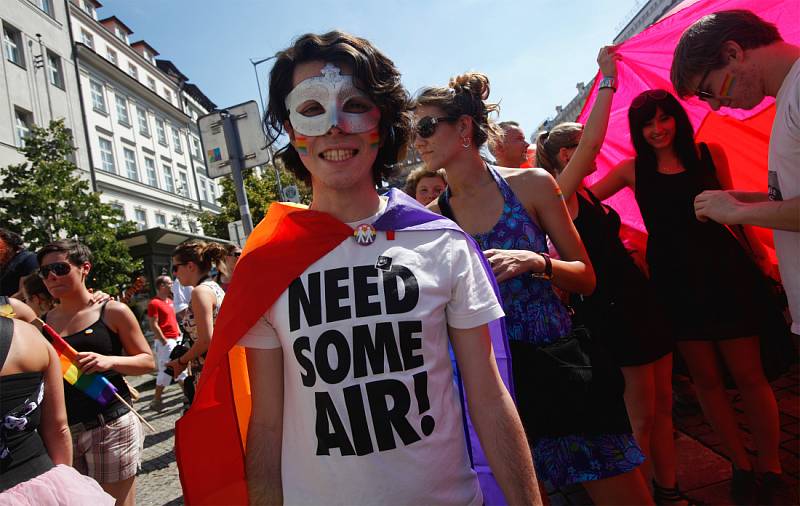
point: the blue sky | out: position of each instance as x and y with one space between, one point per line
534 51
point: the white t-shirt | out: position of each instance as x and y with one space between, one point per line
181 295
784 183
371 412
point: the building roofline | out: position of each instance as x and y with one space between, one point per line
148 46
118 21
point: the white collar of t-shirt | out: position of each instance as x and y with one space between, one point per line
383 203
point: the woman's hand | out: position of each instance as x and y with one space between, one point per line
98 297
177 367
607 60
508 263
90 362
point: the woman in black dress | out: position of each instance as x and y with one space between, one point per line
712 290
622 313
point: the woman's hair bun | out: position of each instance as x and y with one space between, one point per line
474 83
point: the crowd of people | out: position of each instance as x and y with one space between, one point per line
456 343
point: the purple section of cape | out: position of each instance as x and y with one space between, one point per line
405 213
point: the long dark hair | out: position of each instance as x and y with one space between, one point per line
683 142
374 73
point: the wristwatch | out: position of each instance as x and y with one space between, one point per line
548 268
608 82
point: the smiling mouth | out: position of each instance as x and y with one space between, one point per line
338 155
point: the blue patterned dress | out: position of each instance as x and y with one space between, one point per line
535 314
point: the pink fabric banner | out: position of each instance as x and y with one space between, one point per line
646 62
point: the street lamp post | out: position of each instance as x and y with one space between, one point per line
255 64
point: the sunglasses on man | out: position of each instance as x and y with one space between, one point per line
426 126
57 268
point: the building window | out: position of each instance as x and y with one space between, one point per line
133 71
107 155
168 95
130 164
161 220
87 38
12 44
150 167
141 218
151 83
98 99
177 222
111 56
144 126
119 208
22 126
212 190
192 226
45 5
176 140
122 110
120 33
184 184
88 8
55 70
161 131
196 148
203 194
169 180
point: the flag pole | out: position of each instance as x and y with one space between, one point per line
140 417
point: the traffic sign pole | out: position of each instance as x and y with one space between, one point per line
235 147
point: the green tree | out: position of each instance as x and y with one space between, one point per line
45 200
261 192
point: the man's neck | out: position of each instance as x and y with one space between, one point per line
162 296
775 60
349 205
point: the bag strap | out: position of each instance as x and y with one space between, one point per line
444 205
6 333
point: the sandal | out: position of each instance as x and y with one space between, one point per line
664 496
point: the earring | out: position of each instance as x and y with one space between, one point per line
466 142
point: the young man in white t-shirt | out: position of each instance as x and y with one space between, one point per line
735 59
353 396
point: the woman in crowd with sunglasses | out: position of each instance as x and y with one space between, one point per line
191 264
713 291
107 440
232 254
511 212
622 313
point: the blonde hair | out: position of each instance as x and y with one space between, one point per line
550 142
204 254
466 94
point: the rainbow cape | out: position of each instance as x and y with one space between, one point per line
95 385
210 439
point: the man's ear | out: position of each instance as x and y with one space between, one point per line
289 130
732 51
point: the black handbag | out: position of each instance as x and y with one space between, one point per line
569 386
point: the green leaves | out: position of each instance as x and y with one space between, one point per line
49 198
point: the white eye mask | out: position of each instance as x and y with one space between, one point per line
332 92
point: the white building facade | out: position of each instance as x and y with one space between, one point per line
145 150
38 80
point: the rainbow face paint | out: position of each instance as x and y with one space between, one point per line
374 139
319 103
727 84
301 145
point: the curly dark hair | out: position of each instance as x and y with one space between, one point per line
373 73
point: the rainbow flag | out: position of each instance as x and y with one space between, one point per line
95 385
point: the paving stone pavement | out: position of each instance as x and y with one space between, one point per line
703 471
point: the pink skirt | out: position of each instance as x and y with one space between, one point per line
61 485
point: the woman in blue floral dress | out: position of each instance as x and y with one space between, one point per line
511 212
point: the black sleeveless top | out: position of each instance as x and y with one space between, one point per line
97 338
22 452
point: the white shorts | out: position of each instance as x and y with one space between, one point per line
162 352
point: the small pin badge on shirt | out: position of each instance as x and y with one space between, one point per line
89 331
365 234
383 263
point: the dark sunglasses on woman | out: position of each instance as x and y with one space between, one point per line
644 97
426 126
57 268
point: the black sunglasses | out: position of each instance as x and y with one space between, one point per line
701 93
57 268
175 267
644 97
427 125
235 254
